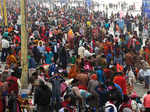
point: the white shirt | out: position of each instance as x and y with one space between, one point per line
81 51
87 53
5 43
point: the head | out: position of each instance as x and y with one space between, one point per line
40 43
148 92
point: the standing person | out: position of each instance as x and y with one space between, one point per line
42 97
121 81
81 51
63 57
5 46
147 102
103 96
48 56
36 53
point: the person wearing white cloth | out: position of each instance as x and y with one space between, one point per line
88 54
5 46
81 51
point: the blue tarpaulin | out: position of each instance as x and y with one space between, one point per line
146 8
88 3
63 1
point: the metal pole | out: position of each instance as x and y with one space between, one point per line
24 61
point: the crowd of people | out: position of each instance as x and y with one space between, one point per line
79 61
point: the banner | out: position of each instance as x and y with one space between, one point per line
146 8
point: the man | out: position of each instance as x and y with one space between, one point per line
42 97
147 102
36 53
5 46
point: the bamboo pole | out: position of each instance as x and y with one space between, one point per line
1 9
24 60
5 12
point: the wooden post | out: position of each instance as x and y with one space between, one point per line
5 12
1 9
24 50
2 15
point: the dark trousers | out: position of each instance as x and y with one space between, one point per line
41 108
55 57
4 54
147 110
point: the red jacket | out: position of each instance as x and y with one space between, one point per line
120 80
12 84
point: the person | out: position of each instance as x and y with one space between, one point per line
100 75
11 59
81 51
42 97
13 84
63 57
103 96
5 46
36 53
126 104
87 53
121 81
48 57
147 102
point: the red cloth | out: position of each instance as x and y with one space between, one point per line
1 105
94 77
120 80
107 73
65 105
17 38
12 84
82 87
125 105
147 101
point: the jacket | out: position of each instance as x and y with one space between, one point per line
120 80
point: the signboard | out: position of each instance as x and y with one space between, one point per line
146 8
